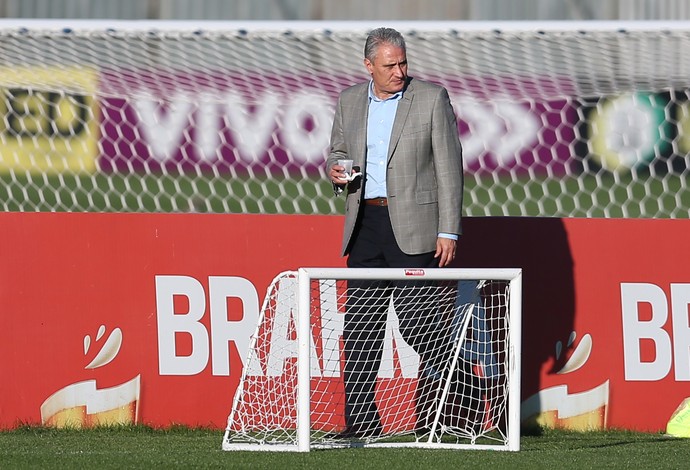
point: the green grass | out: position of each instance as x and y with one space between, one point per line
163 193
583 195
180 447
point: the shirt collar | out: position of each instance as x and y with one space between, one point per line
373 97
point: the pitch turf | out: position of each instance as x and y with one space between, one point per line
143 447
586 196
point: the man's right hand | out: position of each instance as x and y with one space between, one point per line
337 174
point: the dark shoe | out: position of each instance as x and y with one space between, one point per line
353 433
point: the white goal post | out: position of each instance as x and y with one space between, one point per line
410 357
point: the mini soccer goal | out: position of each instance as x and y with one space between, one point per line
382 358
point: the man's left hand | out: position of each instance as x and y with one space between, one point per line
445 251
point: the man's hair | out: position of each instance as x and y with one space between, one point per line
382 36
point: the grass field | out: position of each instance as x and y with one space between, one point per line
143 447
583 195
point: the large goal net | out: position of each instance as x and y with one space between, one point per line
382 357
556 119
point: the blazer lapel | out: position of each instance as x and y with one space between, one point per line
401 113
362 109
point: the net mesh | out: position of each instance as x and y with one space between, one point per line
410 361
175 117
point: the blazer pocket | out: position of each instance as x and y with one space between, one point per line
426 197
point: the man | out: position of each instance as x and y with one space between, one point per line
404 211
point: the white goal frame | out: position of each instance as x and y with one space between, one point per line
513 276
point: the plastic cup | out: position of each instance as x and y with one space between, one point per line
347 164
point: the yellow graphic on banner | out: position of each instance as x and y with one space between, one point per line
49 120
559 408
83 404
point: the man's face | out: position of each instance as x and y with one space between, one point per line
388 70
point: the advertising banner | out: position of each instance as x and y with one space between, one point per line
47 131
605 316
143 318
231 122
138 315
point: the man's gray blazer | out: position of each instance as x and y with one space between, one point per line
424 179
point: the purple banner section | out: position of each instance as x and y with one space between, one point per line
229 123
263 124
521 124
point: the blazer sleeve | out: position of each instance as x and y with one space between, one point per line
338 149
447 152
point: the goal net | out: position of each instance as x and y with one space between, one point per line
382 357
556 119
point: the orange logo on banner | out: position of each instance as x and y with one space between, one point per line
82 404
556 407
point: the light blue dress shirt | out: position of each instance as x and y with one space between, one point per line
379 129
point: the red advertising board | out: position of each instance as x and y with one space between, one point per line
605 315
142 315
82 296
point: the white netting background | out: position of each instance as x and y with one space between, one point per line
413 371
220 118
